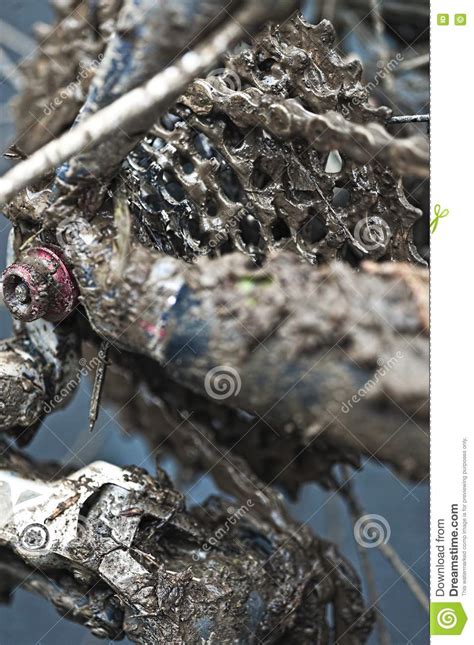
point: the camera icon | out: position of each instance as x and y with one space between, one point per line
460 19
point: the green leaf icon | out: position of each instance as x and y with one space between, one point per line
447 618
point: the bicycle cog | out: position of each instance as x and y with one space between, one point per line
213 176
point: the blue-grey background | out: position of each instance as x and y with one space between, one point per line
31 621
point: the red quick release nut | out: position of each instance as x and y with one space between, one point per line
40 286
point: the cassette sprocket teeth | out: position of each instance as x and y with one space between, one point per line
235 165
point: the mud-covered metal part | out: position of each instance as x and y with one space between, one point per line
243 159
94 607
22 386
211 573
177 421
301 361
40 285
220 174
298 360
37 366
141 288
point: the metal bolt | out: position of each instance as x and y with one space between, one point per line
40 286
34 537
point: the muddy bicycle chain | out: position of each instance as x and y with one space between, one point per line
213 176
